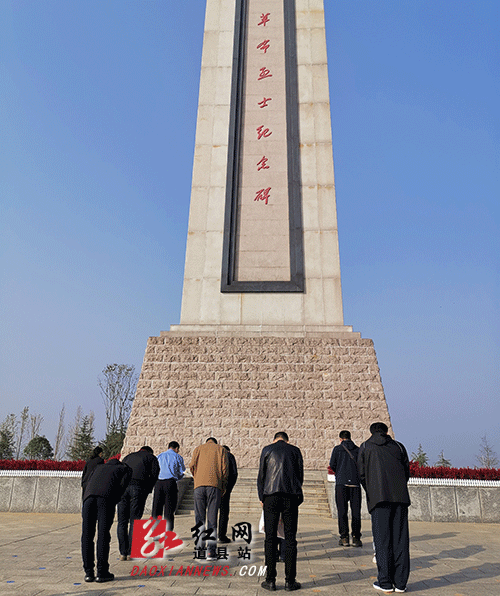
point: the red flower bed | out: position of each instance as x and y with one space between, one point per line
41 464
417 471
45 464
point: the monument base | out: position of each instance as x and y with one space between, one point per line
243 388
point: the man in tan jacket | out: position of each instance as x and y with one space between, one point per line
210 468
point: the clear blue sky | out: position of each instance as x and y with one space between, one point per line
97 121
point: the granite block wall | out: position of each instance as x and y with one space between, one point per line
241 390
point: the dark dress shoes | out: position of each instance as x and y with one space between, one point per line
105 577
271 586
89 578
292 586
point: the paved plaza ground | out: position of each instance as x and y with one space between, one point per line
40 554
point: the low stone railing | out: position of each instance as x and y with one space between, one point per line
44 491
433 499
445 500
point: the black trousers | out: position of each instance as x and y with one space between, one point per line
288 507
392 544
130 508
165 500
224 513
343 496
100 512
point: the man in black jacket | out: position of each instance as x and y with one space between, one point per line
145 470
347 488
384 470
279 483
94 460
102 493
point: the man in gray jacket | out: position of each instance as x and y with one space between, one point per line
384 470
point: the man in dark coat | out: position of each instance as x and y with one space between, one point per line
279 484
224 502
384 470
347 488
145 469
94 460
102 493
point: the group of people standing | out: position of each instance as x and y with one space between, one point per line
380 465
126 485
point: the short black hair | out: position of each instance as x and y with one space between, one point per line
281 435
344 434
97 451
379 427
173 445
148 449
212 439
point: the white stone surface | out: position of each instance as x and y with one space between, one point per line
203 304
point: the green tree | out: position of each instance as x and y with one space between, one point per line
7 434
112 444
442 461
6 445
39 448
82 440
420 457
487 458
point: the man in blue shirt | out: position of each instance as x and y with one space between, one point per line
172 469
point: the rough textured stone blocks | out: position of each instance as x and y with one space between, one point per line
241 390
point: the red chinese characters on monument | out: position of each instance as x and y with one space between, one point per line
263 194
264 45
263 132
263 164
264 18
265 73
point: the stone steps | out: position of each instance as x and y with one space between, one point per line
244 499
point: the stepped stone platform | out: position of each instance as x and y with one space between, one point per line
245 501
242 389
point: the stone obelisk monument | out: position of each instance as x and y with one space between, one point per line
261 345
